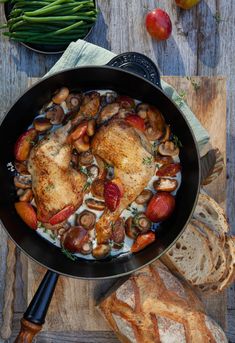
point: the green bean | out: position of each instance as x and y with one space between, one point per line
58 18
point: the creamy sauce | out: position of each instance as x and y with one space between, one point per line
133 208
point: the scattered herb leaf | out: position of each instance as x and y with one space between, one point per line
53 236
217 17
180 99
147 160
158 165
68 254
134 211
120 245
49 187
176 141
107 165
87 185
155 146
196 85
45 230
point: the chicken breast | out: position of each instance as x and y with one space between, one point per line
127 150
55 183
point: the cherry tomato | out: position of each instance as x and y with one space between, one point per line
142 241
160 207
113 191
169 169
62 215
158 24
135 121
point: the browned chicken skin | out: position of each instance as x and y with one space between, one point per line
55 183
122 146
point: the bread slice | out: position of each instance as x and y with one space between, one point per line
191 256
216 247
210 213
229 274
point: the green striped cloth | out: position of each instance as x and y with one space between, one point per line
82 53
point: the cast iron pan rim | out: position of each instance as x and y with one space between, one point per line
199 174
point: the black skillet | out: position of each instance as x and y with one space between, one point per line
119 75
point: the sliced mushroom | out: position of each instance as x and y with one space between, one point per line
42 124
55 114
101 251
142 222
59 228
97 188
118 233
86 248
23 181
108 112
91 127
21 167
144 197
156 122
168 149
93 171
165 184
73 101
80 145
102 167
163 159
60 95
27 195
167 134
95 204
86 219
85 158
131 230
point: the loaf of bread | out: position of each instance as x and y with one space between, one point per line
153 306
205 253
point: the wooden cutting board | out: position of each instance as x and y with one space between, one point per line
72 307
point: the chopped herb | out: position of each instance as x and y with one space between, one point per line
40 225
180 99
147 160
134 211
107 166
53 236
112 224
49 187
176 141
217 17
196 85
68 254
158 165
155 146
87 186
45 230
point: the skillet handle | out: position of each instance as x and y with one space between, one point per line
34 317
138 64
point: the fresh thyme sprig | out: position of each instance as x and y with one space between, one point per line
68 254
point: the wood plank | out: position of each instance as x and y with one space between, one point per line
72 307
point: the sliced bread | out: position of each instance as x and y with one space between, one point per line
217 251
191 256
209 212
229 274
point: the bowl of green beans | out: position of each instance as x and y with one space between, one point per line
48 26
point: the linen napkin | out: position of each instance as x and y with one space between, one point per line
82 53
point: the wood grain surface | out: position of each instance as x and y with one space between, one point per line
200 45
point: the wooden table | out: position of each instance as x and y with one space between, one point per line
202 43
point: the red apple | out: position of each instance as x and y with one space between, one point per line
158 24
186 4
